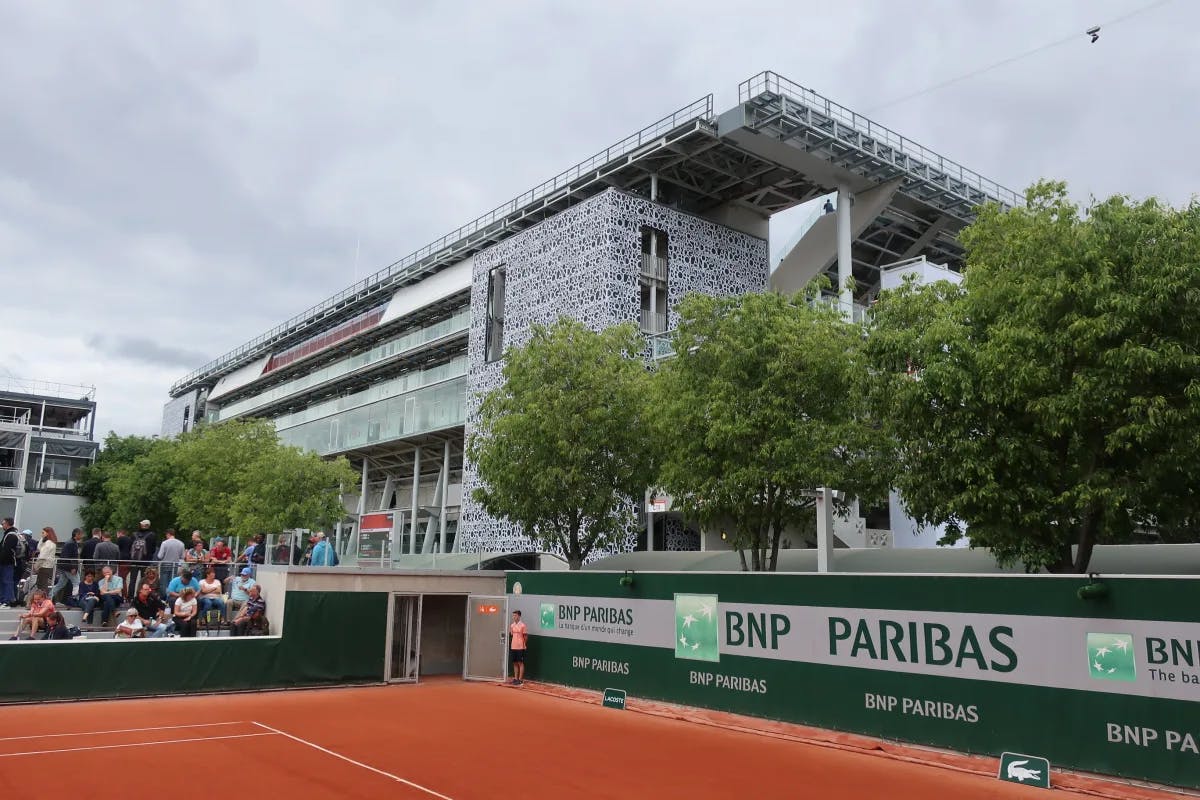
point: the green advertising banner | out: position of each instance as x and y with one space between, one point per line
1094 685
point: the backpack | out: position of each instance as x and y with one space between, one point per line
138 551
20 550
332 558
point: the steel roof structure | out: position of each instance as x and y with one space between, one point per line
781 146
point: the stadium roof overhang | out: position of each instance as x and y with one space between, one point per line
780 146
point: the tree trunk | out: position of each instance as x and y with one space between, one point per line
742 556
1087 542
574 562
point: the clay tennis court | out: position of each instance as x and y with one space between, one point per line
445 739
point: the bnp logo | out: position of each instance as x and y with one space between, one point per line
696 627
548 613
1110 657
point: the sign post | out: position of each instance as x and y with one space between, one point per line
614 698
1027 770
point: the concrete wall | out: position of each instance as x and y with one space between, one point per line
59 511
413 582
585 263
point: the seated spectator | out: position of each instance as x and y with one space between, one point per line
186 609
150 576
89 593
252 615
40 607
112 590
211 595
131 627
56 627
220 556
196 556
183 580
239 591
152 611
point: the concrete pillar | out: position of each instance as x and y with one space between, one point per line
654 187
845 271
441 548
824 529
412 527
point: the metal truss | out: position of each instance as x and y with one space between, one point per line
697 170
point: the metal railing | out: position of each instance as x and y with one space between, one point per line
14 415
492 222
653 321
661 345
772 83
654 267
10 479
65 391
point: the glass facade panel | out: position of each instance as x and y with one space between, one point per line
392 348
431 408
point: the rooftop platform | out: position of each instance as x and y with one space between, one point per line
782 145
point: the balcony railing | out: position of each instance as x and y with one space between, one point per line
10 479
654 267
13 415
654 321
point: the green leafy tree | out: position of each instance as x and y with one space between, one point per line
142 489
564 444
93 482
288 488
1052 401
761 406
216 463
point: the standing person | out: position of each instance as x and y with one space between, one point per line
141 552
170 553
220 557
518 637
107 554
27 556
89 549
125 545
47 555
10 542
322 553
68 560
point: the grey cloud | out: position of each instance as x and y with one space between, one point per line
137 348
176 179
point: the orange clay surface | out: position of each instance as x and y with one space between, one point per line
449 739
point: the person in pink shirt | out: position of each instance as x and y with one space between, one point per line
518 637
40 607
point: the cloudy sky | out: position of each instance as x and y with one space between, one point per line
176 178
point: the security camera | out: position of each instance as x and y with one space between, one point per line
1093 32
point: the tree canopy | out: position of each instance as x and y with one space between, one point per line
1052 401
761 405
563 447
234 478
95 482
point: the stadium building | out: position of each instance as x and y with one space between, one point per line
387 371
46 437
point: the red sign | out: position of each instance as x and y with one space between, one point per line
489 609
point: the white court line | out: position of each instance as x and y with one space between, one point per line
396 778
136 744
123 730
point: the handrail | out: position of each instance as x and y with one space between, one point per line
771 83
701 109
62 391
